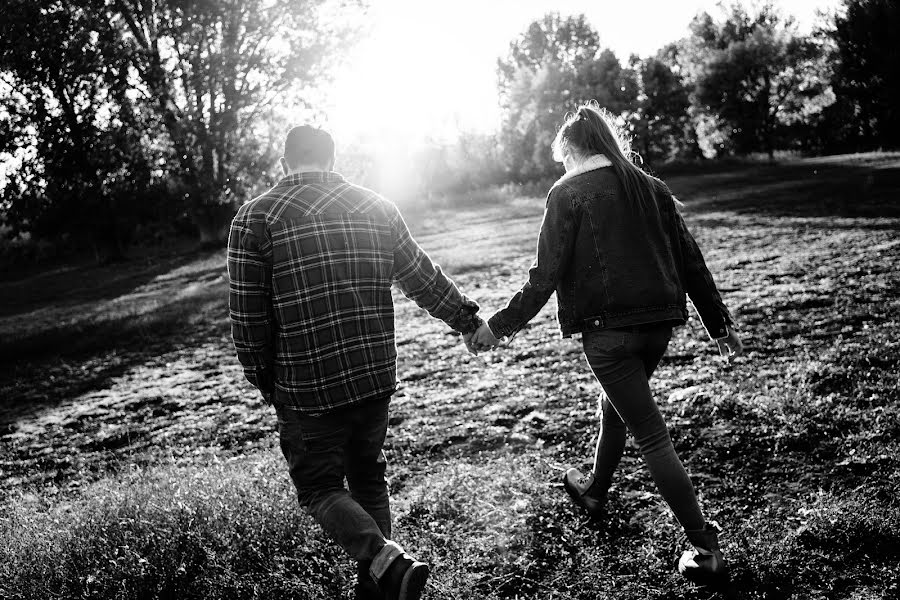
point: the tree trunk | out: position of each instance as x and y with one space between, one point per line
769 121
213 221
109 242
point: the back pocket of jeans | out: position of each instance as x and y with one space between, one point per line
605 341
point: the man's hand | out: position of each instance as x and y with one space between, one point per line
730 345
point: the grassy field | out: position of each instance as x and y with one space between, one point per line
137 463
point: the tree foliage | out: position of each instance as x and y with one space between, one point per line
72 126
568 42
554 66
661 123
753 76
866 76
110 106
214 69
116 112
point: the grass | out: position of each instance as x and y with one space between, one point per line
223 529
498 528
137 463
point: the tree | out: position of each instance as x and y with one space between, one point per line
568 42
753 76
72 127
662 124
553 67
866 78
111 107
215 70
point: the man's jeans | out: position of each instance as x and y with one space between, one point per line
623 361
321 451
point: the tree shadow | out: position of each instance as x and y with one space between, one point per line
71 284
813 188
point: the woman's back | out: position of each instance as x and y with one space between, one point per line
626 259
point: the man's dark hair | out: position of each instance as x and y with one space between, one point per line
308 145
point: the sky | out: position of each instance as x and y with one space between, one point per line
428 67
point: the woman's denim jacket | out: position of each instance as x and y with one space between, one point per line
613 263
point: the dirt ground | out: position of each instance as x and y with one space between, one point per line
132 365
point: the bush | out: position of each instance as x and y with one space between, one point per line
25 252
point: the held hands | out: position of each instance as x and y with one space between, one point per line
480 340
730 346
483 339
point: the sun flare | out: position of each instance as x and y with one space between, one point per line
412 77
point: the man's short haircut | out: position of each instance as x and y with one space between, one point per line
308 145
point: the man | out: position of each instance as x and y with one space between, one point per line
311 263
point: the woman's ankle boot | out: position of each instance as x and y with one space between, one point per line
704 564
580 486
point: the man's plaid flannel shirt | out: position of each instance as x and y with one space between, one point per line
310 264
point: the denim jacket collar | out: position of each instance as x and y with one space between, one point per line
597 161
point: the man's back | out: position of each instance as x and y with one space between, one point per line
311 264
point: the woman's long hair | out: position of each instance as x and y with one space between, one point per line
592 130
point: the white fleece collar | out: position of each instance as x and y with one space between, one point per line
592 163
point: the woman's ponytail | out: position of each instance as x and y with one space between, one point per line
592 130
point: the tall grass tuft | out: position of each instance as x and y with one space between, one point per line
848 546
219 530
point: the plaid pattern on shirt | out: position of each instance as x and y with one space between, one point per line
310 264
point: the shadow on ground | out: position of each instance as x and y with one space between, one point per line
815 188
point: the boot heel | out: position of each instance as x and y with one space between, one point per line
704 564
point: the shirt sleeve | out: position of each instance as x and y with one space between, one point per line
554 254
250 307
424 282
699 284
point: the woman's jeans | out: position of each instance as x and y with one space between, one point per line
321 451
623 361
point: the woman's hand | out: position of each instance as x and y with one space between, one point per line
730 345
482 339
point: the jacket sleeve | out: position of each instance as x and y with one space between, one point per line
699 284
424 282
554 253
250 304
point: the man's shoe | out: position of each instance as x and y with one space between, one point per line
399 576
704 564
578 485
405 579
366 588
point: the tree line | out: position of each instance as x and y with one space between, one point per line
118 113
742 82
122 117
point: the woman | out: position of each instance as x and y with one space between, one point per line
620 258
